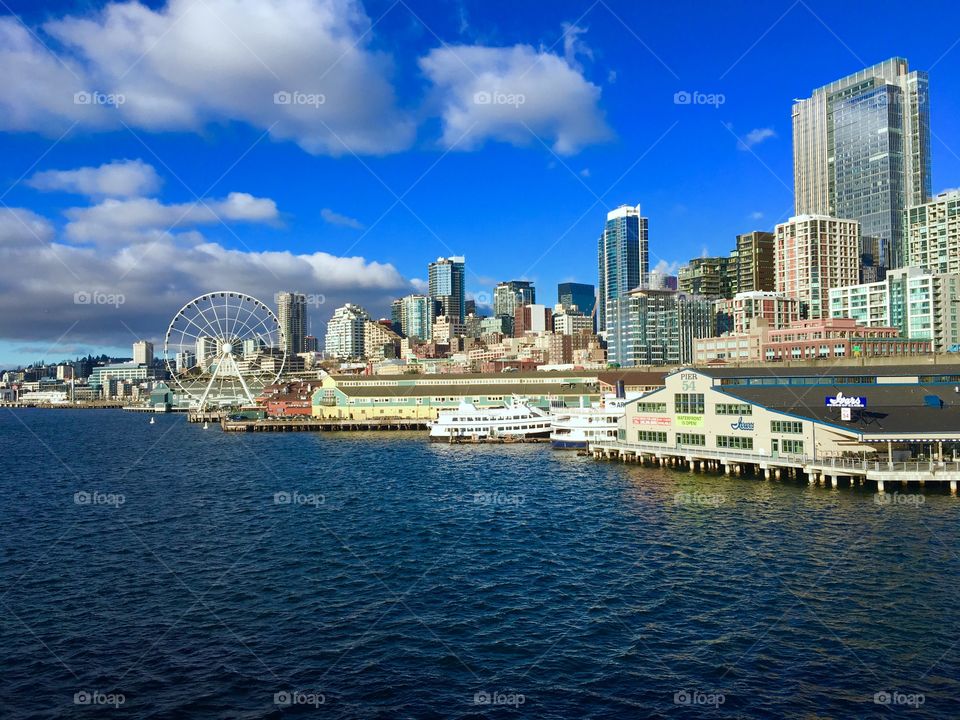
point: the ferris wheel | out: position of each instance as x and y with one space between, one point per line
223 348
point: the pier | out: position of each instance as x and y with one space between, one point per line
817 471
310 424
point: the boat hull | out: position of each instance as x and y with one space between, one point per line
568 444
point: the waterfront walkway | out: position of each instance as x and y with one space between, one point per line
816 470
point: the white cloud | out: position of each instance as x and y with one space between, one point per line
755 137
574 46
948 190
667 268
512 94
120 178
41 276
756 215
190 63
335 218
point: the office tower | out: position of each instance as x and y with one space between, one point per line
445 280
469 307
396 316
292 314
658 327
815 253
532 318
207 350
311 344
924 306
861 150
345 332
143 352
745 308
623 259
184 360
933 234
708 276
570 322
754 262
508 296
416 317
582 295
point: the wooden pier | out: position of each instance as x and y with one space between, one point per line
817 471
309 424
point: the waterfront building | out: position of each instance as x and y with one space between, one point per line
812 413
707 276
933 234
623 259
379 341
839 338
416 317
102 374
861 150
780 310
579 296
753 260
658 327
508 296
292 316
446 284
815 253
143 352
922 305
345 333
532 318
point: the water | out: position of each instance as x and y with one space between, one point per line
409 580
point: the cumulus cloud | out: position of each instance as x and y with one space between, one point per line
755 137
43 278
120 178
289 67
511 94
335 218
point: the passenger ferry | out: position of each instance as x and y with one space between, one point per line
518 420
574 428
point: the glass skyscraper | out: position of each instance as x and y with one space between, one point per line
623 260
445 280
579 294
861 151
292 316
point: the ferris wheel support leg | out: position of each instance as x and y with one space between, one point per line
203 399
243 382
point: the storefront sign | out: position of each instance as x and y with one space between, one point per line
741 425
690 420
846 414
655 420
841 401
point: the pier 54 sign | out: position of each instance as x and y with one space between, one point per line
844 401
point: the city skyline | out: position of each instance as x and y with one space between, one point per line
87 212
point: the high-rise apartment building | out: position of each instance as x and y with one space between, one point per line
753 259
744 309
623 259
143 352
345 333
861 151
508 296
815 253
445 281
658 327
709 276
292 315
416 317
924 306
933 234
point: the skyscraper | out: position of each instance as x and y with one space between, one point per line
345 332
580 294
292 315
754 262
623 258
445 280
143 352
510 295
861 151
416 317
658 327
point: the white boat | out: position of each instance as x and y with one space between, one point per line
516 421
152 421
574 428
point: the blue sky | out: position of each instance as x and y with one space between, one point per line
522 192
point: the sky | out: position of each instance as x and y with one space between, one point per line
151 152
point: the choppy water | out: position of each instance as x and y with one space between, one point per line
409 580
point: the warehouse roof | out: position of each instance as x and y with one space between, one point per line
779 371
485 390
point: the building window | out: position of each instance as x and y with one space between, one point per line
734 409
786 426
692 439
651 407
734 442
688 403
651 436
793 447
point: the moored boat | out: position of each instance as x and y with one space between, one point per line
518 420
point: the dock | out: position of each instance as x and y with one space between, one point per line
309 424
817 471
